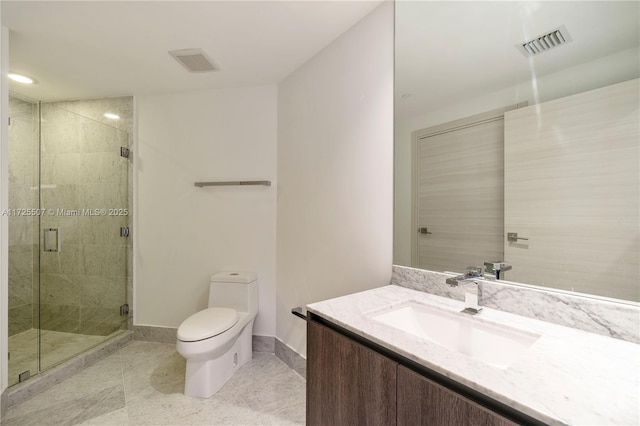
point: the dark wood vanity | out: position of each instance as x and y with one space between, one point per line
353 381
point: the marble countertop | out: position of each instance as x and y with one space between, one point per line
567 377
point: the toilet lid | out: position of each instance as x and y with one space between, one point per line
206 324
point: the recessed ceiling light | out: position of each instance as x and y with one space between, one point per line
112 116
21 78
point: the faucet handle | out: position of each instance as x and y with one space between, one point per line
505 266
473 271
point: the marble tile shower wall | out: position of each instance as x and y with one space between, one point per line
23 144
83 285
79 284
123 107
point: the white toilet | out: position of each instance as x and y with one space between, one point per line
217 340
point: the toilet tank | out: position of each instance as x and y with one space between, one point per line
235 290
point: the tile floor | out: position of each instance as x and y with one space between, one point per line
56 347
142 384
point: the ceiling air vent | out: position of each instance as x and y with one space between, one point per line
194 60
544 42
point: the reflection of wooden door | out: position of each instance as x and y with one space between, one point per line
459 192
572 182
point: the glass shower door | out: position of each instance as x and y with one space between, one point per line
23 239
82 233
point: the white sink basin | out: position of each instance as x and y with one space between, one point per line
496 345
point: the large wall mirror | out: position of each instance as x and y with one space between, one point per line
517 141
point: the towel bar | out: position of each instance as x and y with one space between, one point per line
297 311
234 183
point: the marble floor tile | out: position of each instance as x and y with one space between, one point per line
94 392
279 388
263 365
23 350
113 418
56 346
162 374
183 410
142 384
288 416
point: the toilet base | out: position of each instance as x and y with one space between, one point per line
203 378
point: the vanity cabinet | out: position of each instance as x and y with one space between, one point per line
421 401
349 383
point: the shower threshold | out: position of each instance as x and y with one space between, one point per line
57 348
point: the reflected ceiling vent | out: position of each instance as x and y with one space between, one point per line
545 42
194 60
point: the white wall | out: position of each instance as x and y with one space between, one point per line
185 233
622 66
335 172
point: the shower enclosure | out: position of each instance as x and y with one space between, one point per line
69 249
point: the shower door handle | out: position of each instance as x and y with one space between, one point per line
52 239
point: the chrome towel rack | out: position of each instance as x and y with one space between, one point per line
234 183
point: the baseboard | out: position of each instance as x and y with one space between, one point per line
293 359
3 403
154 334
264 344
168 335
267 344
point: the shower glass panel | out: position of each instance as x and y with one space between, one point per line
68 263
83 257
23 238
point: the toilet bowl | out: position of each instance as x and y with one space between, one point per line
217 341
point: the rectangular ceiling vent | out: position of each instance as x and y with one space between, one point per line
194 60
545 42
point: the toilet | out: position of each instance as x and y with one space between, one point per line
217 341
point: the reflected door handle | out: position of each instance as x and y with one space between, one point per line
424 231
513 237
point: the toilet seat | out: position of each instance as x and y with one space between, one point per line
206 324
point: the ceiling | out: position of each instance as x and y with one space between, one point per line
91 49
450 51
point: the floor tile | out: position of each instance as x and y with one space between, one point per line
274 392
288 416
55 346
143 383
93 392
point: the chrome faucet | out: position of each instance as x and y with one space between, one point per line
473 288
496 268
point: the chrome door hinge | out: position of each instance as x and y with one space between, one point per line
124 231
124 152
